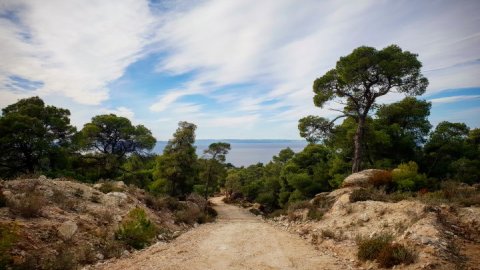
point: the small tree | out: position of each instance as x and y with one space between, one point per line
363 76
31 132
176 169
214 160
114 137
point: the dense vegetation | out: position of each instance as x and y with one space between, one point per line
38 139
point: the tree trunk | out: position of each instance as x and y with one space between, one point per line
357 158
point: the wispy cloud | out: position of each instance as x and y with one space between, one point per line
75 48
280 56
120 111
454 99
247 64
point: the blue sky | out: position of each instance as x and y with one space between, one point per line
237 69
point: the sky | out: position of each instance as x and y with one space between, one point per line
237 69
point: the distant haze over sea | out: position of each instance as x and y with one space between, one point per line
246 152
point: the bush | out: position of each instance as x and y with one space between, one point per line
394 254
315 214
328 234
169 203
188 215
136 230
8 237
367 194
406 177
108 187
381 249
370 248
453 193
28 206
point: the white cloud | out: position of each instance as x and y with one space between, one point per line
120 111
75 48
272 50
256 43
454 99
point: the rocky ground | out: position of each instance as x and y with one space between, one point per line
237 240
443 237
59 224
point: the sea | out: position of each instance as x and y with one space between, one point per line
246 152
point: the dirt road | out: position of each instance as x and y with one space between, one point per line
237 240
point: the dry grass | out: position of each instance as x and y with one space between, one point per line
28 206
381 178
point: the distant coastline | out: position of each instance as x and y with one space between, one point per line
246 152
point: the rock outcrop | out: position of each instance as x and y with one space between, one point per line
360 179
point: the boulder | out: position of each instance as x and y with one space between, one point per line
115 198
360 179
67 230
98 185
119 185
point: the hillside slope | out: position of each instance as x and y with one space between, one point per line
57 224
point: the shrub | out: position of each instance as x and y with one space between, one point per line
299 205
367 194
109 186
370 248
169 203
188 215
381 178
381 249
453 193
315 214
208 216
406 177
136 230
8 237
28 206
277 213
394 254
328 234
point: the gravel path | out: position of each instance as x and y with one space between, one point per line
237 240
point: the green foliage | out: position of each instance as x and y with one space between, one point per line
449 142
176 169
366 194
407 178
108 186
453 193
466 170
283 156
381 249
113 138
8 236
369 248
136 230
31 133
359 78
212 170
395 254
313 128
